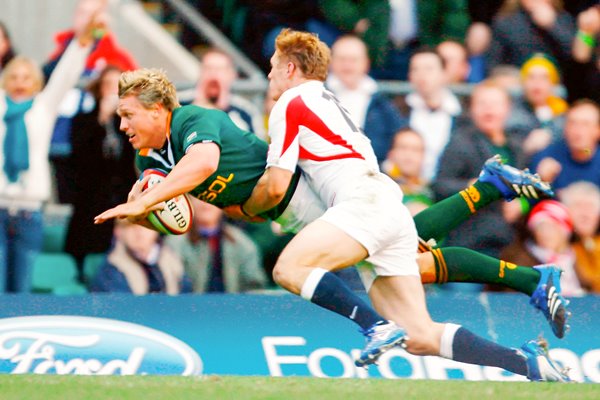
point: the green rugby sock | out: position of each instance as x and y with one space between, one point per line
458 264
437 220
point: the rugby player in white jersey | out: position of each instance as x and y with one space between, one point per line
365 220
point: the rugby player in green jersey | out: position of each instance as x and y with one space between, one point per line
208 156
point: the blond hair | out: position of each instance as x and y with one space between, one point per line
306 51
150 86
34 69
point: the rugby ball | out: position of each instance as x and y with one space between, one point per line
176 217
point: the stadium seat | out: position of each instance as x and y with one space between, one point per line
91 263
54 238
53 270
72 289
56 223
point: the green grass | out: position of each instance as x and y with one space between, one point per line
50 387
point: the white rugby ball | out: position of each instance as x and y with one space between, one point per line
176 217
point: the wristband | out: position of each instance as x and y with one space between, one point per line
525 206
586 38
244 212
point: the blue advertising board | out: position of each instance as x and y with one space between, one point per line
277 335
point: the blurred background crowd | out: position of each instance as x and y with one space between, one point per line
438 87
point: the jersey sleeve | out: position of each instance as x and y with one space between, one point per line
200 127
284 129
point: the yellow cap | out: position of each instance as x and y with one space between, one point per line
542 60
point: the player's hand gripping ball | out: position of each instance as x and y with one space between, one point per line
176 216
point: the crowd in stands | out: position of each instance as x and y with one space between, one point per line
534 67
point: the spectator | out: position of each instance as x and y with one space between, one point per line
539 113
433 109
413 23
106 51
214 90
218 256
103 168
509 77
576 157
442 20
546 240
404 164
582 78
456 61
525 27
358 93
140 263
6 50
477 41
370 20
28 114
490 229
266 18
583 201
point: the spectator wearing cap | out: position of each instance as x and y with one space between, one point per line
583 201
539 113
546 240
576 156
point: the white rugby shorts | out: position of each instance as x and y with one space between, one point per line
373 215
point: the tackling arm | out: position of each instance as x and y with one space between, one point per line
268 192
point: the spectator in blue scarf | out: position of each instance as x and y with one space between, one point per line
27 115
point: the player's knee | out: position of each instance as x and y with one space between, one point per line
282 275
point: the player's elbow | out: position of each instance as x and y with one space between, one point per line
276 192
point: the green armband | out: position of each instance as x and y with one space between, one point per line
586 38
525 205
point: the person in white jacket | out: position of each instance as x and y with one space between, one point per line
28 113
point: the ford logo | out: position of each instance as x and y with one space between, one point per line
91 346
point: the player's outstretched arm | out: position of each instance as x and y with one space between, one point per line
200 162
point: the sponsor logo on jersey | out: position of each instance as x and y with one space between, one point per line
215 188
91 346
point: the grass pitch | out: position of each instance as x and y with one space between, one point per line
50 387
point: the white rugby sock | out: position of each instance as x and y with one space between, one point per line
312 281
447 340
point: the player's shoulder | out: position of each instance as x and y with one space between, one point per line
306 95
192 111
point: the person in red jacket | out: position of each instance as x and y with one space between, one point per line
106 52
106 49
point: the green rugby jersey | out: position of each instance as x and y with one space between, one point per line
241 164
